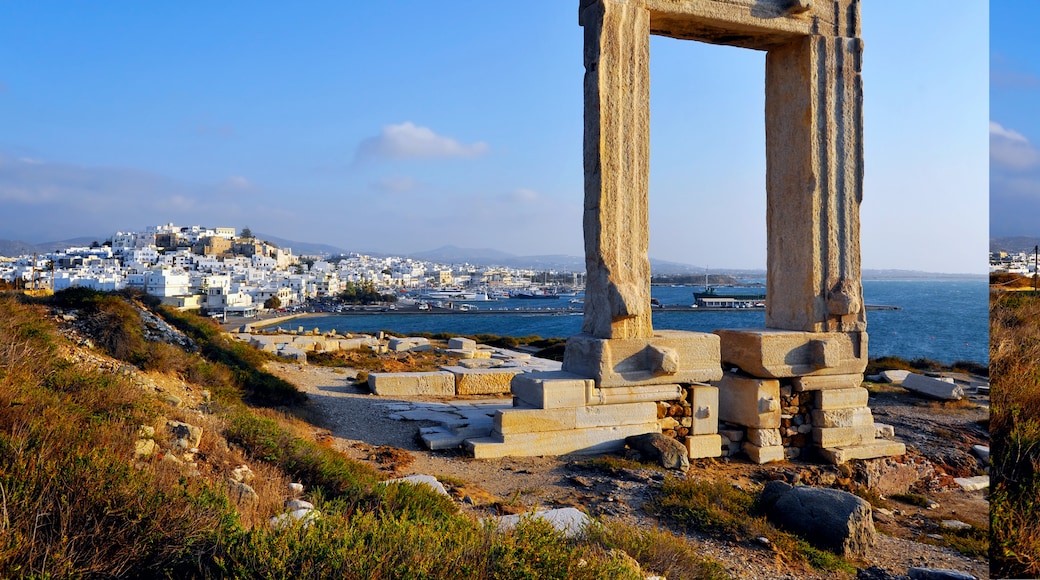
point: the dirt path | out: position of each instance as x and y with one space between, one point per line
361 423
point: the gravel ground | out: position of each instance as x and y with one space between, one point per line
360 423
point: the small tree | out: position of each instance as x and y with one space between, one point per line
247 233
273 303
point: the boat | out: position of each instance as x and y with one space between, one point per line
712 299
535 294
452 294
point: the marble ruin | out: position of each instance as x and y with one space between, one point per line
776 392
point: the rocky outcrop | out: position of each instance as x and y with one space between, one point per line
829 519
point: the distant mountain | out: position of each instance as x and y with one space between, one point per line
1013 244
70 243
917 275
457 255
14 248
301 248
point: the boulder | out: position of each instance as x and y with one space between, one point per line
670 453
895 377
939 574
934 388
829 519
571 522
242 493
191 434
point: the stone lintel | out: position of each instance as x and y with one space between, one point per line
635 361
749 401
871 450
771 353
550 389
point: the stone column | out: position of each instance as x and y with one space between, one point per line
617 166
814 178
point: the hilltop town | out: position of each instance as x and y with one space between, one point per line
221 270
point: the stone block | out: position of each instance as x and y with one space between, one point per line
770 353
872 450
972 483
462 344
762 455
511 421
640 394
749 401
764 437
438 383
708 445
705 402
857 417
670 356
481 381
732 434
841 399
551 389
883 431
843 436
409 343
822 382
934 388
894 376
580 441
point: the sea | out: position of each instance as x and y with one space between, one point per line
943 320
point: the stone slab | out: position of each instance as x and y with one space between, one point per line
762 455
843 436
579 441
709 445
770 353
764 437
462 343
551 389
705 402
933 388
856 417
438 383
894 376
749 401
481 381
841 399
669 356
871 450
511 421
972 483
640 394
409 343
822 382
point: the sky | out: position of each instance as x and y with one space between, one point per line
405 126
1014 129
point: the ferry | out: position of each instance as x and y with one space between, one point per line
711 299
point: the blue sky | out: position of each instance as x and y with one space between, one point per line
404 126
1014 125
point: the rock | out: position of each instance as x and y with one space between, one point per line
145 448
242 473
569 521
427 480
888 476
982 452
938 574
656 447
826 518
954 525
973 483
242 493
296 487
190 433
876 573
895 377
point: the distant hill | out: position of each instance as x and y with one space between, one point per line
301 248
1013 244
457 255
13 248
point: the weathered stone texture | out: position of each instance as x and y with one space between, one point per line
771 353
639 361
403 384
749 401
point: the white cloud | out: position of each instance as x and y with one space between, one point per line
410 141
236 183
522 195
1010 148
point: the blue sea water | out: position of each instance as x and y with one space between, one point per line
943 320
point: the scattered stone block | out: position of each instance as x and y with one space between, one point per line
841 399
894 376
973 483
764 437
709 445
762 455
934 388
749 401
571 522
438 383
462 344
884 431
427 480
410 343
872 450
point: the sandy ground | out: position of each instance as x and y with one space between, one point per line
361 426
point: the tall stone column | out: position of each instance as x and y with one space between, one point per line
814 178
617 166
